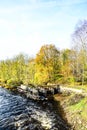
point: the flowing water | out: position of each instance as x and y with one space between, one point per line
19 113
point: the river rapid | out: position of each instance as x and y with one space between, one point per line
19 113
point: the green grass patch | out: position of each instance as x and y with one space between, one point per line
79 108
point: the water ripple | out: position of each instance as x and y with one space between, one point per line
18 113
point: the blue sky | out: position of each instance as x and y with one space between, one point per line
26 25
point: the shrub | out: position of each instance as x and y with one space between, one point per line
14 83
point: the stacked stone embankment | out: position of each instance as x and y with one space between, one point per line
39 92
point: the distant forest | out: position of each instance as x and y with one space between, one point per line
50 65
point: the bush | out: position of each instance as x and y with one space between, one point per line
14 83
3 82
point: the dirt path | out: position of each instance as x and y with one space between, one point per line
73 90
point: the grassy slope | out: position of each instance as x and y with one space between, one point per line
75 108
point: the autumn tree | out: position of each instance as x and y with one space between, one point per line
47 64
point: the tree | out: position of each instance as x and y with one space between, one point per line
66 67
79 40
12 70
47 64
29 71
18 66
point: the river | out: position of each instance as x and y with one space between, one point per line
19 113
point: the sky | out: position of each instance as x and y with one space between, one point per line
26 25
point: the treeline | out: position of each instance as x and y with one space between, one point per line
50 65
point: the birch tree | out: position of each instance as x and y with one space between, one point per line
79 40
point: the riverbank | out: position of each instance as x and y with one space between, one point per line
74 109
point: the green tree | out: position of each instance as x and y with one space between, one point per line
66 67
29 71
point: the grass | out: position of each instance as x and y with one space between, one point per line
75 109
81 106
78 113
